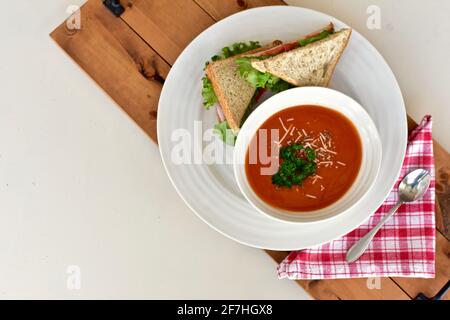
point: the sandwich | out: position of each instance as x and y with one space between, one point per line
235 80
227 91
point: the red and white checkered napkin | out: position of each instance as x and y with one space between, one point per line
404 246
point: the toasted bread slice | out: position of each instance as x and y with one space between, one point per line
232 91
311 65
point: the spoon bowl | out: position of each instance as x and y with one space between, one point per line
414 185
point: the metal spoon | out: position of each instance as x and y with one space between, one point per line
412 188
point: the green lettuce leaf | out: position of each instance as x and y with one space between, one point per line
209 96
225 133
238 48
260 79
320 36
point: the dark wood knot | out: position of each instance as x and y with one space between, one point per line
153 114
242 3
150 71
314 283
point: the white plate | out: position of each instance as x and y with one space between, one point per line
211 191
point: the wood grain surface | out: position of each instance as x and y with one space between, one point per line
219 9
129 57
166 26
118 60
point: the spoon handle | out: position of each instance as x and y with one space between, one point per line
361 245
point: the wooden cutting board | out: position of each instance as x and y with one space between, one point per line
130 56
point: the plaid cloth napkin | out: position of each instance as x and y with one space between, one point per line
404 246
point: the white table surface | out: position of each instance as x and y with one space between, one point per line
80 184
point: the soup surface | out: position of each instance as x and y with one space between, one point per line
318 151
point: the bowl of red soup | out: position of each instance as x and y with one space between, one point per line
307 155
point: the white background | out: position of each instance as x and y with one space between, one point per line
80 184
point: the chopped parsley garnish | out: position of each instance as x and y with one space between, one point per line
297 164
260 79
209 96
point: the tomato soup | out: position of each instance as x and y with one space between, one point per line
319 154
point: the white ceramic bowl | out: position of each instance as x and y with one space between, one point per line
370 140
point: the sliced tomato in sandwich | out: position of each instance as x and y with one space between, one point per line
329 28
278 49
284 47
